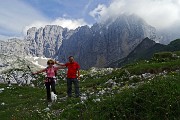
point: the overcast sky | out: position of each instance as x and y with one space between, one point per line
16 16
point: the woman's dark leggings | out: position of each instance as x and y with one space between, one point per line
50 85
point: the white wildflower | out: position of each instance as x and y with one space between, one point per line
97 100
2 103
47 109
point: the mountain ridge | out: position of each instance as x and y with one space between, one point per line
142 53
94 46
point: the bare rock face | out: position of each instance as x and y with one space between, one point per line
12 47
95 46
44 41
106 42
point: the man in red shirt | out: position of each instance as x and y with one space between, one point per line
72 76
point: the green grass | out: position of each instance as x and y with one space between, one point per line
157 99
153 67
137 98
20 102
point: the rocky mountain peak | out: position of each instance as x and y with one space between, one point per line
106 42
94 46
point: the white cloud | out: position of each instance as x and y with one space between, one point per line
15 15
99 12
158 13
69 23
65 23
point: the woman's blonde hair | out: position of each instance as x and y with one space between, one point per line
50 62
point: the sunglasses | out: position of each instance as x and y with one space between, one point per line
50 63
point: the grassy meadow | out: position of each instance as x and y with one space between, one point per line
145 90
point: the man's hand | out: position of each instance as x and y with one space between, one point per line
55 62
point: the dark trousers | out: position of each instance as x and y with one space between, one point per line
69 86
48 83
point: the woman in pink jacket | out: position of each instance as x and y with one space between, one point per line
51 72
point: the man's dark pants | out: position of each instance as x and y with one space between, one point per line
69 86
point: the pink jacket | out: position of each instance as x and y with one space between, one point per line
51 72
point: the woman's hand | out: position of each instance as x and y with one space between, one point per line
33 73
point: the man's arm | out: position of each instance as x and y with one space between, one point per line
60 67
60 64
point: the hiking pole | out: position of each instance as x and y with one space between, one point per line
29 68
30 71
38 82
32 75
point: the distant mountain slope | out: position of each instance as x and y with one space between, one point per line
12 47
173 45
14 62
13 56
145 50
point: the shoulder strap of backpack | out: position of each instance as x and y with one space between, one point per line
46 69
55 71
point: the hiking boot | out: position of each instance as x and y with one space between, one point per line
77 96
49 104
49 100
69 96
